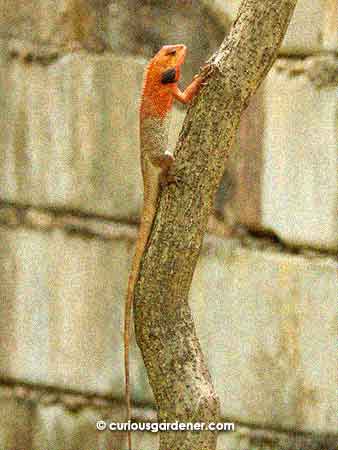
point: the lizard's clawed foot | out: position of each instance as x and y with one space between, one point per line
173 178
204 72
167 178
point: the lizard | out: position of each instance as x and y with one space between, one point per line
159 91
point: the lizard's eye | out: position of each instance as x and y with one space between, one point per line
171 53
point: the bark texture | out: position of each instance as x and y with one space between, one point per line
164 324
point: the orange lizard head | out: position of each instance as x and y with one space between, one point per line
170 56
166 63
162 73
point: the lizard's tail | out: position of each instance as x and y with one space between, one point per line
142 239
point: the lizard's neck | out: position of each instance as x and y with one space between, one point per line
157 97
156 105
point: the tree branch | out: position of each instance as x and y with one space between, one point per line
164 325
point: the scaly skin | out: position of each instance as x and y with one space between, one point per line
159 91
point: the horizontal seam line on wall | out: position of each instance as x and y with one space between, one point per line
45 219
86 225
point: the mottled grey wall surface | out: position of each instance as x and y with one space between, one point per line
265 289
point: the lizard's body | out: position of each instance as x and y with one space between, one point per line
159 91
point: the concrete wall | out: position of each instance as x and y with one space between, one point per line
264 297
